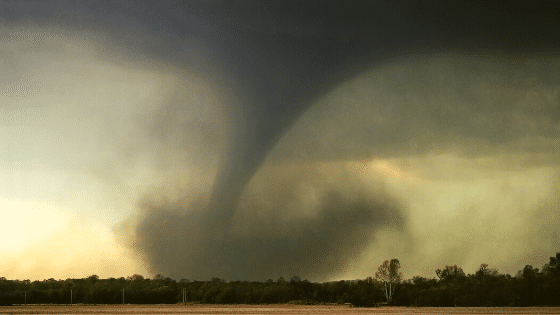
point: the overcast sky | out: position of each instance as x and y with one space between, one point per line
250 141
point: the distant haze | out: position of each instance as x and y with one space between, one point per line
251 140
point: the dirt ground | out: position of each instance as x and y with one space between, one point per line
262 309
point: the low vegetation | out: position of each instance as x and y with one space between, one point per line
452 287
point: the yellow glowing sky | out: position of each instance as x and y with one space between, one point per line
64 184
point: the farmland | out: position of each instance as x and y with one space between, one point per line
264 309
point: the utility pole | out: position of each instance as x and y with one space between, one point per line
70 296
123 296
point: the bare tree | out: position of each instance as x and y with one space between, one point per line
389 273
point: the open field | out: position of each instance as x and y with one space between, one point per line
263 309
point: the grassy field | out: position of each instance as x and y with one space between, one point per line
262 309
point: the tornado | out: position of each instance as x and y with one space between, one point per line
269 63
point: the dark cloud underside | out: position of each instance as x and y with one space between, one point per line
268 63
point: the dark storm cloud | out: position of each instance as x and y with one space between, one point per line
475 105
283 55
275 231
270 61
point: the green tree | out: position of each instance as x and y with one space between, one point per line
451 279
528 285
551 281
450 273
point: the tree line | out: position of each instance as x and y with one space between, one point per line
451 287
